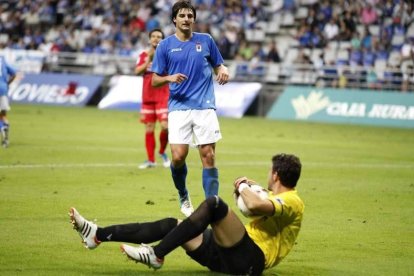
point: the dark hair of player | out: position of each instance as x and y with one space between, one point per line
156 30
182 5
288 169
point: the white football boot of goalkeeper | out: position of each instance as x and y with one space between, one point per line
85 229
142 254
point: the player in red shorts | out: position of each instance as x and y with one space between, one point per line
154 104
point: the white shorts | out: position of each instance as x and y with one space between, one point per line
193 127
4 103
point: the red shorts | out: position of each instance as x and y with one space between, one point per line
153 111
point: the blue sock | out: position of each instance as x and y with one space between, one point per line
1 124
179 176
210 182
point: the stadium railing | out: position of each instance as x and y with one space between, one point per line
273 76
342 76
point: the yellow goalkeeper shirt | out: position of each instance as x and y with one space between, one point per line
276 235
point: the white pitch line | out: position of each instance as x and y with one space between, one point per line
47 166
219 164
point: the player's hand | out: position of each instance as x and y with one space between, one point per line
222 75
177 78
239 181
242 181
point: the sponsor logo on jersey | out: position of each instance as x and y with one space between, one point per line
176 50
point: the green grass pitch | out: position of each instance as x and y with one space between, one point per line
357 183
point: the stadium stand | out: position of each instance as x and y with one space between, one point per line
363 43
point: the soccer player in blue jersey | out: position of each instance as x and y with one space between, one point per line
186 60
7 75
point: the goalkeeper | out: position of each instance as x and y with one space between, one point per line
228 246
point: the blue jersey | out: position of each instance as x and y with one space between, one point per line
195 59
6 71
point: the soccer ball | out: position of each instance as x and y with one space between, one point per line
262 192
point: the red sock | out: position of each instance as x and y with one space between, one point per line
163 140
150 145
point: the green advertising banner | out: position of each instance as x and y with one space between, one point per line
344 106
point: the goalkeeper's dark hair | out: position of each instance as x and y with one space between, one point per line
288 168
183 4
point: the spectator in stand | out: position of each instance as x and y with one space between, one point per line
346 27
255 66
380 51
325 11
317 39
398 27
369 15
136 23
258 52
355 40
349 21
372 79
403 12
387 8
31 18
145 9
331 29
273 53
367 39
343 79
245 52
304 34
46 14
408 14
407 50
251 19
66 46
154 104
385 37
17 44
226 47
312 19
38 37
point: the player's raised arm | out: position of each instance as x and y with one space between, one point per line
222 74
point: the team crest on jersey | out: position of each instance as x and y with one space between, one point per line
198 47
